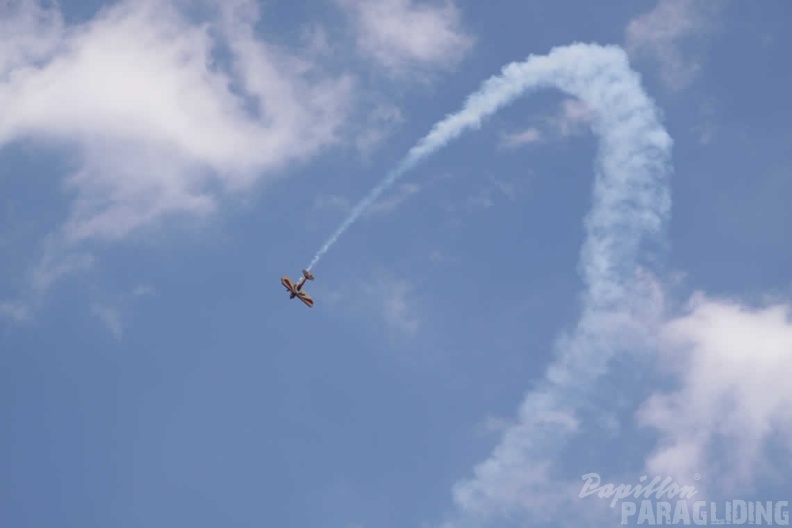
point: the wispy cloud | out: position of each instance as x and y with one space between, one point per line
114 311
29 33
388 204
404 35
143 290
385 300
573 117
494 424
706 128
56 264
379 124
488 195
398 306
14 311
392 201
331 202
662 35
518 139
110 317
147 108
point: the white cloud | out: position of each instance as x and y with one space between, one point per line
439 257
110 317
518 139
381 121
143 290
403 35
385 205
332 202
733 364
574 117
157 125
486 196
394 200
398 306
479 200
494 424
56 264
706 128
316 40
29 32
15 311
383 298
660 33
114 311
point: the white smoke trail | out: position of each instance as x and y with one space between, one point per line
630 207
495 93
361 207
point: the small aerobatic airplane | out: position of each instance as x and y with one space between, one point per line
296 289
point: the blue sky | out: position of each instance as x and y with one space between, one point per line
595 280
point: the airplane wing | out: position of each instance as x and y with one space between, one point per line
304 297
289 285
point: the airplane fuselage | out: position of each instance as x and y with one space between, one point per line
298 287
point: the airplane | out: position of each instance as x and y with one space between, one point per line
296 289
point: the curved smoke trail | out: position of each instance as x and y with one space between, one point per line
495 93
630 208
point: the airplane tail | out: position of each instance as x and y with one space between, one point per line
308 275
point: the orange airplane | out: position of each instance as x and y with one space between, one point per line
296 289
